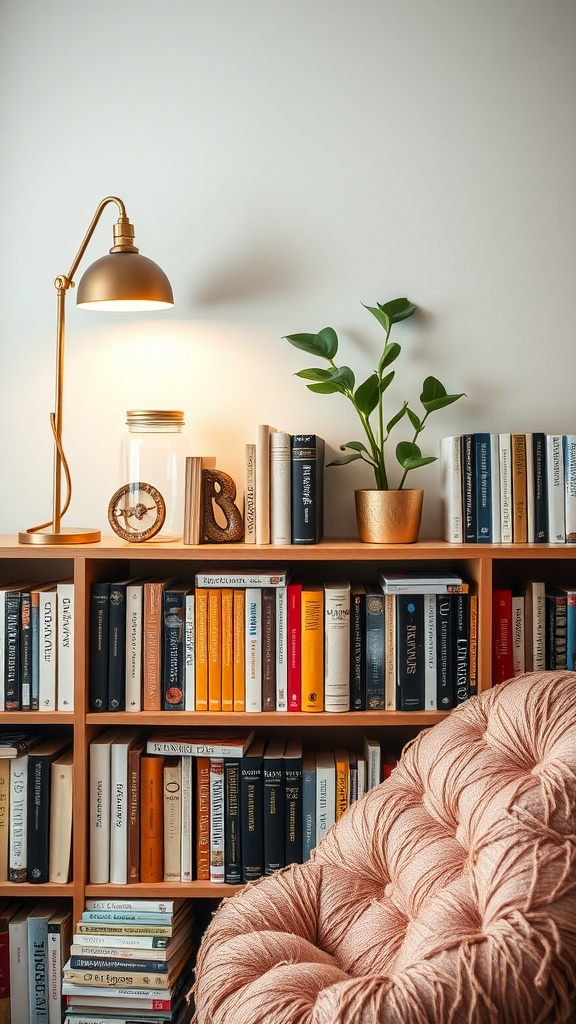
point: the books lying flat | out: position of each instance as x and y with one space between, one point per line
422 583
276 577
14 744
201 743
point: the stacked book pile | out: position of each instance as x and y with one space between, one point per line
34 944
130 960
190 805
258 640
509 488
37 646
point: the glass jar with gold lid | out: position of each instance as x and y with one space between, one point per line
154 451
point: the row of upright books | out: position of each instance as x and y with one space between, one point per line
37 646
130 960
36 785
260 641
184 806
533 628
35 938
509 488
284 488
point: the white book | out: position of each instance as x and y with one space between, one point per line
263 431
172 818
187 811
390 665
373 755
570 487
216 819
505 458
530 492
337 646
518 641
281 649
451 488
325 793
495 488
134 645
18 819
280 487
189 652
61 791
47 647
430 675
119 804
99 806
250 495
361 775
18 958
65 634
253 648
555 482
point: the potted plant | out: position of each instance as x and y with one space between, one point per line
374 511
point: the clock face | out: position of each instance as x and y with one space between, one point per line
136 512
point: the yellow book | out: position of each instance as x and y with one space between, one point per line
239 654
342 760
201 652
312 650
519 490
4 815
227 650
172 817
215 649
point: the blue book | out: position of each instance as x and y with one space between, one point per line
483 487
308 805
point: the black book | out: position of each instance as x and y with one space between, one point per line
40 760
25 651
117 647
307 488
410 652
293 755
483 488
98 646
374 648
540 488
252 811
232 822
444 661
468 488
357 647
461 647
12 650
174 646
274 805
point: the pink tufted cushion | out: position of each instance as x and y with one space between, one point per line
446 896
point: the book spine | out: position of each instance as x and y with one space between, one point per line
312 648
268 648
274 812
18 818
410 652
152 646
294 613
337 646
451 488
281 611
308 805
569 452
38 817
483 492
252 815
444 673
201 647
253 649
134 640
119 787
133 812
217 851
534 635
530 512
47 650
556 488
172 818
65 659
239 648
58 941
390 662
468 488
227 649
518 641
35 650
519 489
461 640
26 651
505 453
262 476
215 649
430 653
325 794
151 820
99 812
540 488
18 958
4 817
203 819
495 489
560 634
104 963
12 651
38 969
117 648
357 651
280 487
250 495
293 806
342 777
232 819
375 671
173 650
99 633
307 456
189 653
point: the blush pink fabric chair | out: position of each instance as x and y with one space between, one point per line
446 896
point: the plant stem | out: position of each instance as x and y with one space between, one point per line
416 433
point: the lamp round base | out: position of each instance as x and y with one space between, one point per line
67 535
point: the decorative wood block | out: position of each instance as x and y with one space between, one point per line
219 488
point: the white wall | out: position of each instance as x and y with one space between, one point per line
284 161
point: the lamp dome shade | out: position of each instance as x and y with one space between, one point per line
124 281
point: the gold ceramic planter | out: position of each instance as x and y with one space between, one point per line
388 517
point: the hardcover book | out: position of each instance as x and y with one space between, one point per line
312 647
173 647
280 487
293 766
117 647
337 646
357 647
410 652
307 488
232 822
65 635
60 839
308 804
252 808
451 488
201 742
98 648
555 488
274 805
375 650
39 815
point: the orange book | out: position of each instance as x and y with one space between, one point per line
239 652
519 490
152 644
215 649
202 818
227 650
201 648
312 647
152 819
342 760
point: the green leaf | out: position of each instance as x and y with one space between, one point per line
366 395
390 353
327 388
387 380
396 419
327 340
314 373
380 315
343 375
356 446
414 420
345 460
397 309
324 344
410 457
434 395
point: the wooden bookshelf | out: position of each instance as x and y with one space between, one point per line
487 565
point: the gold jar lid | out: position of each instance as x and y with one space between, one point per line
149 417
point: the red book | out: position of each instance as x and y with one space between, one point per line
294 603
502 657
